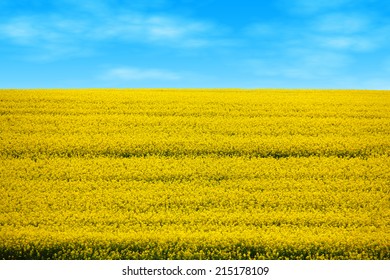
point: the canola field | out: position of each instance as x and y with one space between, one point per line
194 174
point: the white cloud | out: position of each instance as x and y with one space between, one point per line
20 30
342 23
355 43
72 34
351 32
323 59
304 64
348 32
261 29
32 30
153 29
121 27
129 73
46 39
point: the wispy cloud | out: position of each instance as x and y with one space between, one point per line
353 43
43 39
262 29
19 30
181 43
342 23
370 41
132 74
37 29
64 33
347 31
164 30
123 27
323 44
299 63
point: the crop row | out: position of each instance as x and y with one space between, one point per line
197 198
194 174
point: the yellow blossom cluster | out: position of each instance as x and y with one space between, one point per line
194 174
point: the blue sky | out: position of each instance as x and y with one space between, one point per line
195 44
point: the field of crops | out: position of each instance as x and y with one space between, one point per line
194 174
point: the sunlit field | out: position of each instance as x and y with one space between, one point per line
194 174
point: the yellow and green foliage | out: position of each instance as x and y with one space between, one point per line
194 174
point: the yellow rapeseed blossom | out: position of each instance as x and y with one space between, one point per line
194 174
